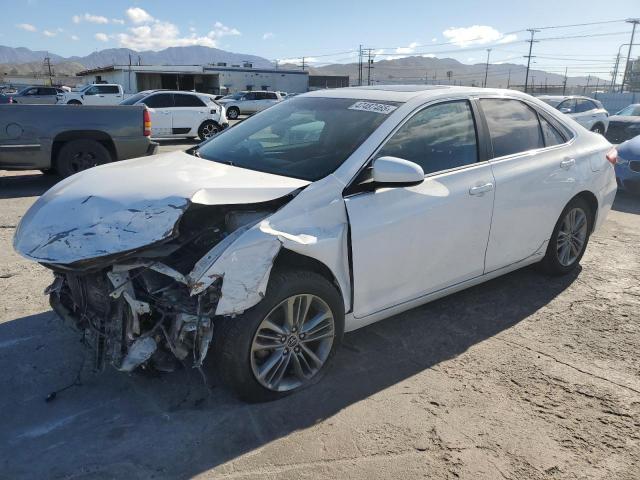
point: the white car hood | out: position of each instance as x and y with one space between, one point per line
127 205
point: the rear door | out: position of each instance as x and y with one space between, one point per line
160 109
47 95
109 95
535 177
31 96
187 114
249 104
585 113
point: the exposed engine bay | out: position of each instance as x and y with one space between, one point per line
138 308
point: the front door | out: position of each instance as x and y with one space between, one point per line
188 114
412 241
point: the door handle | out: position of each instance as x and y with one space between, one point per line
480 189
568 163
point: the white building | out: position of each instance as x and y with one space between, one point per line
216 79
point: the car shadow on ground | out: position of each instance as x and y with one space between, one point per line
27 184
142 426
627 203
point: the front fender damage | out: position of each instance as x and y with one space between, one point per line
157 306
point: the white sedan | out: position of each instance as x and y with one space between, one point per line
181 114
318 216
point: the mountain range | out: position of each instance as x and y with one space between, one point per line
414 69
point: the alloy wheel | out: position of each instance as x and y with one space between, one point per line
209 130
292 343
572 236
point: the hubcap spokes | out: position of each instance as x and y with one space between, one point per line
292 343
571 236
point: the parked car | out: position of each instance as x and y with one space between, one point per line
320 215
181 114
247 103
628 165
65 140
31 95
586 111
98 94
625 124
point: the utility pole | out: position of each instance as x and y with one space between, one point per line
303 64
360 66
47 63
533 84
276 64
369 65
509 80
532 31
614 74
426 77
449 75
486 68
584 89
564 84
635 22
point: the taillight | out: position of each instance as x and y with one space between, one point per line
147 123
612 156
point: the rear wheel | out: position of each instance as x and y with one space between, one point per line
208 129
74 102
569 239
78 155
285 342
233 113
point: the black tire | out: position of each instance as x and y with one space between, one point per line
208 129
234 336
233 113
74 102
78 155
551 263
598 128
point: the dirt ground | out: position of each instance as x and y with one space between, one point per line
525 377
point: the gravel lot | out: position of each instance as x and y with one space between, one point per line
525 377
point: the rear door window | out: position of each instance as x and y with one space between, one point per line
440 137
184 100
46 91
108 89
513 126
551 135
159 100
584 105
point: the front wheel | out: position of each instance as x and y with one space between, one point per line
569 239
233 113
285 342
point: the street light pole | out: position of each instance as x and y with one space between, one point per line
635 22
526 77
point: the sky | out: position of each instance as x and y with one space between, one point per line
331 30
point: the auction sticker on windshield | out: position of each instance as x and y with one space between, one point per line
373 107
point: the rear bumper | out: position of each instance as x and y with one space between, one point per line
153 148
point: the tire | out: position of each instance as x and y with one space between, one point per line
555 262
235 355
78 155
233 113
74 102
208 129
598 128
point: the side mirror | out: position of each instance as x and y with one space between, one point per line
396 172
565 110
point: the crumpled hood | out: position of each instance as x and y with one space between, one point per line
127 205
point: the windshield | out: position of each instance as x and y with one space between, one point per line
234 96
552 101
631 110
134 99
306 138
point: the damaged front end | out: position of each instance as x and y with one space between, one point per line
139 308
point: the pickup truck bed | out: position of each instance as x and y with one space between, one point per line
35 136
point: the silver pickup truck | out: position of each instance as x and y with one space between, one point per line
65 139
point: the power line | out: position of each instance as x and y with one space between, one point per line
581 24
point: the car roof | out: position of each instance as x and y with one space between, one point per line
403 93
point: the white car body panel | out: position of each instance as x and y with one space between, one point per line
409 245
97 99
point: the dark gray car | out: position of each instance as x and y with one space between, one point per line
32 95
66 139
625 124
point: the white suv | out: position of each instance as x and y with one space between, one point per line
99 94
181 114
586 111
249 102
